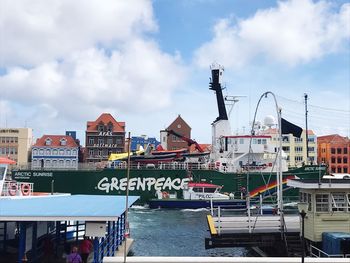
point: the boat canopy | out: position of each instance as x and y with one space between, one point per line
205 185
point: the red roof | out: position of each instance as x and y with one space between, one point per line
105 118
206 185
56 141
4 160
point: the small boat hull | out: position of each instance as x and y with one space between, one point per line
194 204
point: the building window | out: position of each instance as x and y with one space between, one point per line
48 152
100 140
345 150
339 169
41 152
333 151
74 152
345 169
61 152
322 202
338 150
91 140
100 128
63 142
338 202
298 158
109 140
345 160
285 148
99 152
298 149
339 160
55 152
311 149
333 160
91 153
333 169
48 141
296 139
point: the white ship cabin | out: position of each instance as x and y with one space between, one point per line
203 191
234 154
328 206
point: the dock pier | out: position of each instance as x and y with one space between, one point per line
266 232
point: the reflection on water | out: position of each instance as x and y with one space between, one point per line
162 232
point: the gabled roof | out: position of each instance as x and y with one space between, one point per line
105 118
56 141
179 119
333 138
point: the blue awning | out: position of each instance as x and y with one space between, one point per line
64 207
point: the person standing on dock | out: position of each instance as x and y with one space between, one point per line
74 256
85 248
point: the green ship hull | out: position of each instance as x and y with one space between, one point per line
146 182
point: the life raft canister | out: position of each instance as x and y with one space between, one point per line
12 188
25 189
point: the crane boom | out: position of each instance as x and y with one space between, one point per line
188 140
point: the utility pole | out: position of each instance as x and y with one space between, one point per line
306 131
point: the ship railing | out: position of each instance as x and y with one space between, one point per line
120 165
319 253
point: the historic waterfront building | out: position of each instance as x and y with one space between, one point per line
295 148
104 136
334 150
172 142
55 152
15 143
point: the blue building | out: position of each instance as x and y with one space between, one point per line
137 141
55 151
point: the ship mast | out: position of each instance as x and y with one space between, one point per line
221 126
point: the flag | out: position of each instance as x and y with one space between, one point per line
288 127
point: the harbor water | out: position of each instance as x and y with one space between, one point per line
174 232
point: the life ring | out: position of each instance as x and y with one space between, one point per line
12 188
165 195
25 189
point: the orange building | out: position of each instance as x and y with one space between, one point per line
334 150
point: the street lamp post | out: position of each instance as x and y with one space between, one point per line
302 207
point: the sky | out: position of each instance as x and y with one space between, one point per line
63 63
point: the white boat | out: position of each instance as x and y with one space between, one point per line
197 195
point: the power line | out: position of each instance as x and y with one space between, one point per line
315 106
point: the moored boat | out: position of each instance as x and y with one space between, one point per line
197 195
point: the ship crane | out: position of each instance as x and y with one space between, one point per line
188 140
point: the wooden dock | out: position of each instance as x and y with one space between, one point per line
263 231
244 225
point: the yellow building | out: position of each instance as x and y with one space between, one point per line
15 143
295 148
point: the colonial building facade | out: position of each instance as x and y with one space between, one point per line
295 148
104 136
334 150
172 142
15 143
55 152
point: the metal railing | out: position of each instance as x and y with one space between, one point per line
319 253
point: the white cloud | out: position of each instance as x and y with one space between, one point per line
34 32
296 31
136 78
69 61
